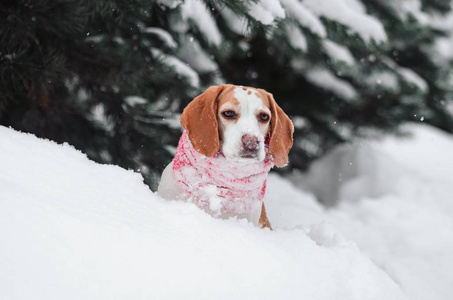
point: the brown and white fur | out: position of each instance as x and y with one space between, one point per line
235 120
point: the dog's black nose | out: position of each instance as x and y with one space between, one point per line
250 143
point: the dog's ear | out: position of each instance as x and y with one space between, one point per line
281 133
199 118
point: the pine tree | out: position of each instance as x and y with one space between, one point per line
413 34
345 69
95 74
111 77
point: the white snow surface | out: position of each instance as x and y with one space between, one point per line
74 229
394 199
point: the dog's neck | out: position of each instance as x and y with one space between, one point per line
216 184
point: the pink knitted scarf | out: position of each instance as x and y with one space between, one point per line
218 184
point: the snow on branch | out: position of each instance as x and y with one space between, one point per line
328 81
408 75
295 37
351 14
192 53
299 12
163 35
338 52
180 67
266 11
169 3
237 23
198 13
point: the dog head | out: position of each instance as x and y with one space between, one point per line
237 120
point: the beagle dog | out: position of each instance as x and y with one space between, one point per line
233 136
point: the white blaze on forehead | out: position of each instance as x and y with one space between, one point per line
250 105
248 99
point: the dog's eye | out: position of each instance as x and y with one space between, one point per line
229 114
264 117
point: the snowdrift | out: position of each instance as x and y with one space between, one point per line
393 198
74 229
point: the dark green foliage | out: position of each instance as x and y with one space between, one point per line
410 45
67 68
328 118
110 77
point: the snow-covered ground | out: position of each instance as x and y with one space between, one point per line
74 229
394 199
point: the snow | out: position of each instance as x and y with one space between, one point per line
338 52
237 24
351 14
407 9
325 234
383 80
443 45
298 11
215 202
408 75
266 11
163 35
295 38
413 78
74 229
197 12
100 118
393 198
327 80
443 50
192 53
169 3
135 100
181 68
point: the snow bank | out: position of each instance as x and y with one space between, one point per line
394 200
74 229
